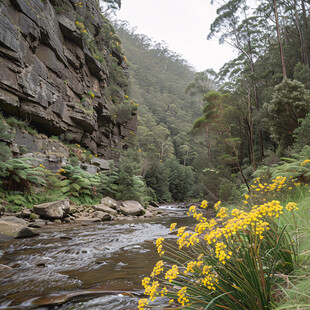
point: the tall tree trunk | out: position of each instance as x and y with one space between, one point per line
261 143
279 38
303 48
208 145
304 14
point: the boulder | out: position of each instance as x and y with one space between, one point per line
12 227
52 210
132 208
104 208
103 216
109 202
148 213
25 213
103 164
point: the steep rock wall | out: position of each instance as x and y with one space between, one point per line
62 70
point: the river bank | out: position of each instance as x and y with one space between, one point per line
27 222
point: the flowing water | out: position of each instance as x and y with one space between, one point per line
99 266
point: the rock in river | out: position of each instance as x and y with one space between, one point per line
52 210
131 207
103 216
103 208
109 202
12 227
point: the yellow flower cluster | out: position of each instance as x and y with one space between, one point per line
81 27
181 231
152 290
305 162
159 246
254 220
182 241
158 269
222 213
172 273
60 171
209 277
173 226
204 204
191 265
163 292
291 206
275 185
80 4
220 238
182 296
220 252
216 206
142 303
146 281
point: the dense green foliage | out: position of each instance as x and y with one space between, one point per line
168 153
259 111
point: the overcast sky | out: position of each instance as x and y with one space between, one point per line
183 25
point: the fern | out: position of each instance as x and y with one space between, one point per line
79 185
288 167
18 175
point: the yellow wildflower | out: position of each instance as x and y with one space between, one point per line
204 204
172 273
172 226
142 303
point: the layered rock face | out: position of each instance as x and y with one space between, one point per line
62 70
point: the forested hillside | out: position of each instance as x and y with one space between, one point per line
168 154
218 139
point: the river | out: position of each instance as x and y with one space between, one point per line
91 267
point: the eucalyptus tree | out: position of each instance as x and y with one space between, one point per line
290 103
288 20
217 118
203 82
237 26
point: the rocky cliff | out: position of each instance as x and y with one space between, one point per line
63 71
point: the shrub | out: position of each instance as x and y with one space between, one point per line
297 168
124 111
232 261
23 125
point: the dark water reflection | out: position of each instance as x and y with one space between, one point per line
111 257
